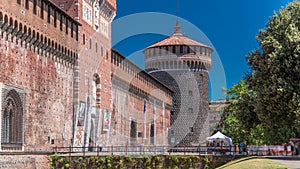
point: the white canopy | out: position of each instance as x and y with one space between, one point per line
220 136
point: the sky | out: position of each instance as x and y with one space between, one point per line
229 27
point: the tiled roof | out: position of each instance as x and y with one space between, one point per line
177 38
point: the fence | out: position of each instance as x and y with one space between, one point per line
154 150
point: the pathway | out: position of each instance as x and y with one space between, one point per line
292 162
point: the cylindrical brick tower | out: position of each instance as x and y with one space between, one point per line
183 64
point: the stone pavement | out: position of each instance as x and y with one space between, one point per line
291 161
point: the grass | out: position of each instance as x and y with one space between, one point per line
253 163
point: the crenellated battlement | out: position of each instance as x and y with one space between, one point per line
42 28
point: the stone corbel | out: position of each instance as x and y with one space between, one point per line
23 36
14 32
3 25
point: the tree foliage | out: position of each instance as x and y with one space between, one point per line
267 103
275 75
239 120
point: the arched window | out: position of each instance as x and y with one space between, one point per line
12 121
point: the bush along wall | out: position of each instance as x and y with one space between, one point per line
126 162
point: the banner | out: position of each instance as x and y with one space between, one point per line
81 113
154 106
145 104
106 120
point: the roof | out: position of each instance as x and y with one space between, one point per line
177 38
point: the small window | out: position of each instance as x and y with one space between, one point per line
172 131
42 10
34 6
83 39
191 129
174 49
67 26
190 93
27 4
55 18
61 20
48 14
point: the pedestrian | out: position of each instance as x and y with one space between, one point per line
285 148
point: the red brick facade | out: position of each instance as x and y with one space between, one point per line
36 60
139 101
57 77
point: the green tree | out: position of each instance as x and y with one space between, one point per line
275 78
239 121
242 98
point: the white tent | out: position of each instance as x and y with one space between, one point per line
220 136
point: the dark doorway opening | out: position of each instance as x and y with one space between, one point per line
152 134
133 132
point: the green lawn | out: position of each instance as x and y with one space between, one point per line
253 163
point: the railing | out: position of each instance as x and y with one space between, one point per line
147 150
185 150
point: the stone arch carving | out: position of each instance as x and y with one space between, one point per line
16 24
25 29
33 33
6 19
29 31
12 120
11 21
20 26
188 64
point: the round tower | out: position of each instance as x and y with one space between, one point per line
183 64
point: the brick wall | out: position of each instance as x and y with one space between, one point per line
43 70
24 161
92 68
132 88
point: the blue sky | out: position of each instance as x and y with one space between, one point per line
229 26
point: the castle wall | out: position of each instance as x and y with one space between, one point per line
141 99
92 82
24 161
60 86
36 61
